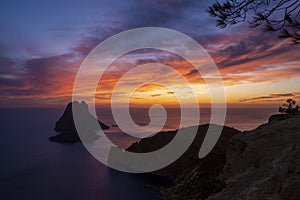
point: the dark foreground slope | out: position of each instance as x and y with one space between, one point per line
201 173
264 163
260 164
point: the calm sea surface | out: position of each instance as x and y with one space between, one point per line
32 167
240 118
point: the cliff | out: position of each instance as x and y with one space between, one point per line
260 164
205 170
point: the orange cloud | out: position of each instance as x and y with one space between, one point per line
242 60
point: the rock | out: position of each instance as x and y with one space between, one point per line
193 177
263 163
260 164
279 117
65 125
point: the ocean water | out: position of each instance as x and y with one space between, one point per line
242 119
32 167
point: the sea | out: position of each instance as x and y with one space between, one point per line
32 167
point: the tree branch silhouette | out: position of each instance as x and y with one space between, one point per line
273 15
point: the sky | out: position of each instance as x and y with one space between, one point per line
43 43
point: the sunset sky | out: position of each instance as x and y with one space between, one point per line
43 43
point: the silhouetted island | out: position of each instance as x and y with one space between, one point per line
65 125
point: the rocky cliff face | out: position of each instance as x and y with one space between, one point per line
260 164
194 177
264 163
65 124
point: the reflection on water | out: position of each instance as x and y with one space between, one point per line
32 167
239 118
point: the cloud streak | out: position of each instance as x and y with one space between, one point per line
270 97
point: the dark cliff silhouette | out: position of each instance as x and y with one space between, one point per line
65 124
208 168
260 164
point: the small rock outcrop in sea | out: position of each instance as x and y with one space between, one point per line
65 125
260 164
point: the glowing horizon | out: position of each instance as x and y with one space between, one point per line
39 58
